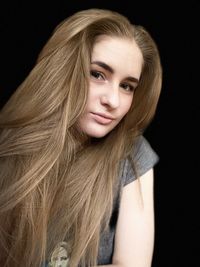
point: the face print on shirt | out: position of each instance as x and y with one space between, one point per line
60 257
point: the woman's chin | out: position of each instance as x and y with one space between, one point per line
97 132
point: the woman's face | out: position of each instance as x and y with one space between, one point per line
116 66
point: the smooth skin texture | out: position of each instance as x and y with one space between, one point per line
134 240
116 66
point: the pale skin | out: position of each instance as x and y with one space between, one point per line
115 71
116 66
134 239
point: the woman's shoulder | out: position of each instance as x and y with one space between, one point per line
144 158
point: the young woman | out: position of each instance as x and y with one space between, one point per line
76 173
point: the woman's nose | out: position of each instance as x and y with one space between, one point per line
111 97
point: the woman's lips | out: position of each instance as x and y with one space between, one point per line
101 119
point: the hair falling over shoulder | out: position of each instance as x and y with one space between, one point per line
50 181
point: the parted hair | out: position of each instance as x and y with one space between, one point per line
55 187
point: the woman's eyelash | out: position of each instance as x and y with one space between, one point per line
128 87
96 74
100 76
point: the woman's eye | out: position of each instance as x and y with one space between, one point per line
97 75
127 87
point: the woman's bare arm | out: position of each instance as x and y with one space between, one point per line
134 240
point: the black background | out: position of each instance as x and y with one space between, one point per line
25 26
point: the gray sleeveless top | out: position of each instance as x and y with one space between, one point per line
145 158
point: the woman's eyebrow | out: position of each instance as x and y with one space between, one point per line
103 65
111 70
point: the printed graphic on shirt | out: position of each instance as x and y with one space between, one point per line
60 257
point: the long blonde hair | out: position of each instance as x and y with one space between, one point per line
53 186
